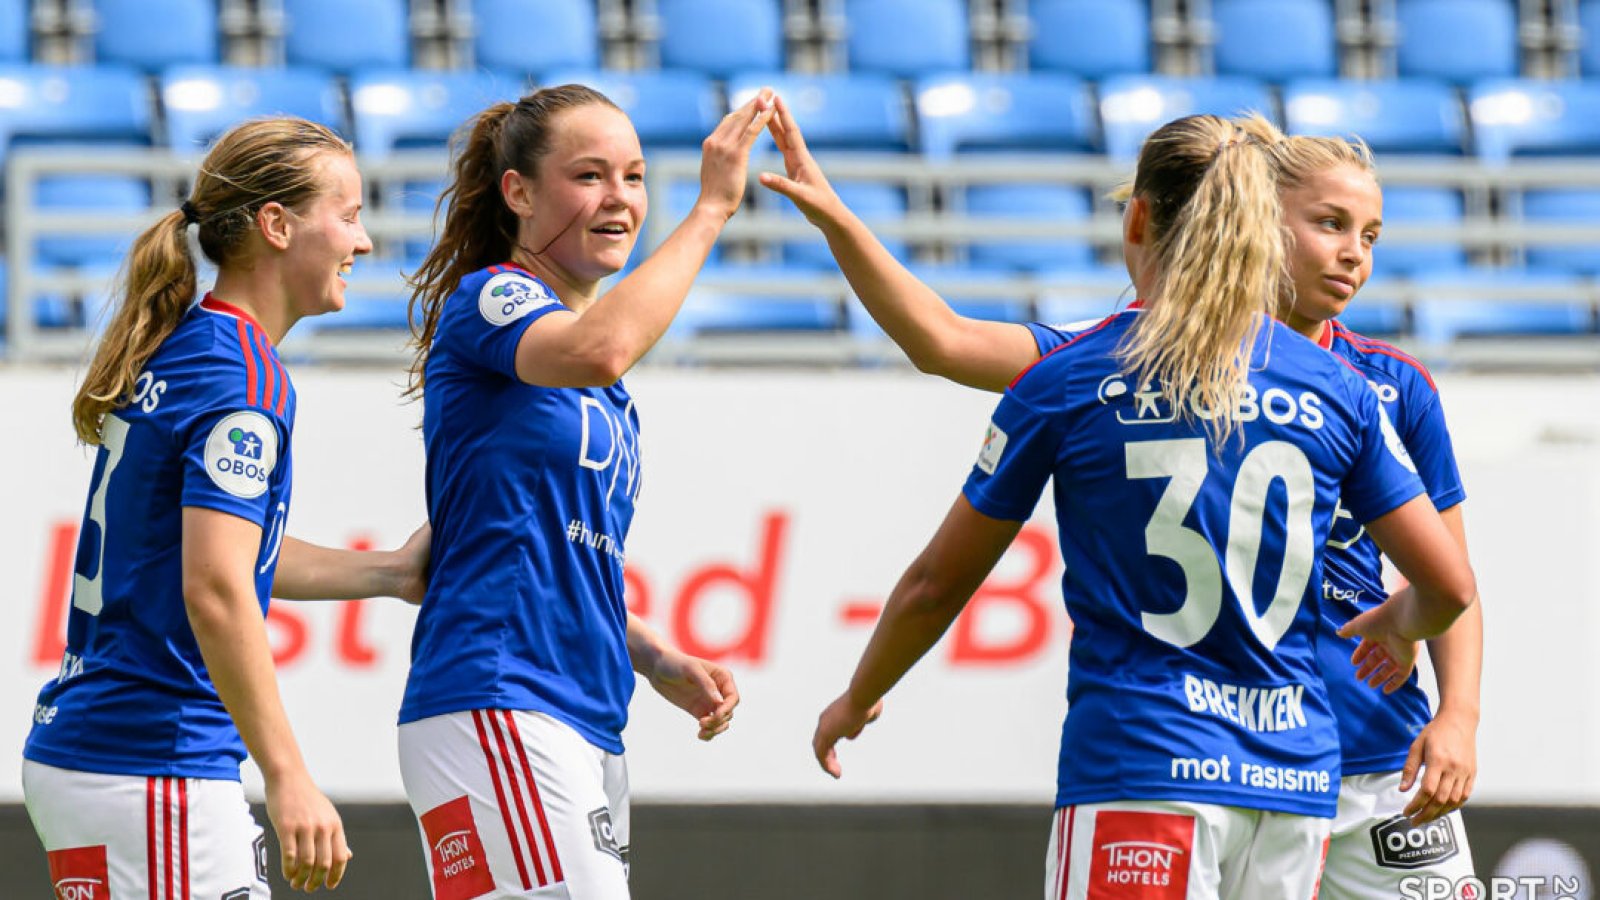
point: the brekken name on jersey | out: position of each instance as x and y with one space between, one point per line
1254 709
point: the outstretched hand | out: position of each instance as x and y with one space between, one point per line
806 187
699 687
725 154
842 719
1384 658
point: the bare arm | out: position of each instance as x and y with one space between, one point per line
219 559
939 341
595 349
699 687
928 597
1423 549
308 571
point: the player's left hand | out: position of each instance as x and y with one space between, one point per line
1447 754
699 687
842 719
413 556
1383 659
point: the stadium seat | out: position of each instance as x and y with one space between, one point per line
1418 207
1132 106
1045 202
1578 207
88 194
1375 319
406 108
669 109
1408 116
1089 38
1081 295
1010 111
1456 40
721 37
154 34
871 200
907 38
568 35
14 28
202 102
1524 117
346 35
1589 49
1451 317
74 104
838 111
1275 40
754 298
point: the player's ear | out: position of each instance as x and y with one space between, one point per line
517 189
273 220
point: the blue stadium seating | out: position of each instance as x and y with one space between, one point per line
668 108
1419 207
1401 116
567 35
871 200
202 102
1132 106
1275 40
401 108
954 284
1374 318
709 310
1524 117
1457 40
154 34
1045 202
14 28
1565 206
1080 295
992 111
1452 317
1589 49
907 38
88 193
346 35
838 111
73 104
1089 38
748 34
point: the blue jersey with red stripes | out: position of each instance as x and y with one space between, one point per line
207 426
530 493
1377 729
1193 569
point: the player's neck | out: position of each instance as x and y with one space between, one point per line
575 294
260 298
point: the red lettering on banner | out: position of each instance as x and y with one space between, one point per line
80 873
348 644
460 867
1031 595
1140 856
758 587
291 632
50 634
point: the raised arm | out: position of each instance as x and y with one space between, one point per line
595 348
928 597
219 559
938 340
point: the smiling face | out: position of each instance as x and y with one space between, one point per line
326 237
1334 218
587 201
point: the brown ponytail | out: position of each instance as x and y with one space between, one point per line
256 162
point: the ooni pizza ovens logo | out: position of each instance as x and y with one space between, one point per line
1400 845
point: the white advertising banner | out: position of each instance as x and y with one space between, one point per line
778 509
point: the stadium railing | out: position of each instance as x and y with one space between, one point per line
26 340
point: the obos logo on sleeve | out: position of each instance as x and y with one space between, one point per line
994 447
241 453
1392 438
509 296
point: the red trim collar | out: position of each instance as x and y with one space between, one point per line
1325 339
213 304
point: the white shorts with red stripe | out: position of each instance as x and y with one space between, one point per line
1375 849
1172 850
131 837
516 804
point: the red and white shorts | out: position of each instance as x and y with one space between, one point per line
1377 853
131 837
1172 850
516 804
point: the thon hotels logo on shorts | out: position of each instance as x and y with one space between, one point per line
80 873
1141 856
241 453
460 867
1397 844
509 296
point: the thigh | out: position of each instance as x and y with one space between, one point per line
510 804
1141 850
1283 860
143 836
1376 852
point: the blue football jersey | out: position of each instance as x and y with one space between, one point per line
208 426
1376 729
530 492
1193 571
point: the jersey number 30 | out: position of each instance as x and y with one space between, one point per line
1184 463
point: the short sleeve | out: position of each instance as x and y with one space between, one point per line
232 458
485 318
1428 439
1015 463
1048 337
1383 476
